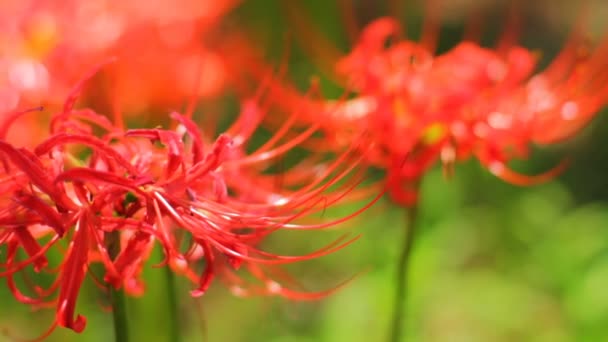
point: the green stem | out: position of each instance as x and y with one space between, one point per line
402 274
117 297
174 333
119 313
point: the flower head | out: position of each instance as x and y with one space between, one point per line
110 194
46 45
491 103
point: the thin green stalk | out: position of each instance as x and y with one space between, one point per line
402 274
174 326
117 297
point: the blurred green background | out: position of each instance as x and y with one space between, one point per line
492 262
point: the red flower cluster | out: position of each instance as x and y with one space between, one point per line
46 45
207 203
419 107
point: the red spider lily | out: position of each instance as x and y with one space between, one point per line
42 50
208 204
419 106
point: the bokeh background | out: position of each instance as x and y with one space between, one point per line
491 261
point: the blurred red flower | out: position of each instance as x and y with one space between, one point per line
46 45
491 103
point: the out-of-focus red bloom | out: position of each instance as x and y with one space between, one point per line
207 203
46 45
419 106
